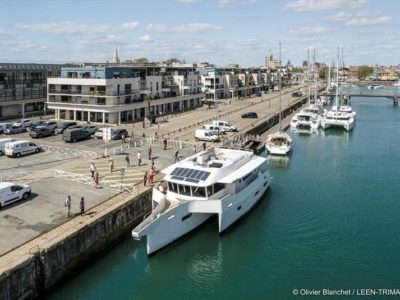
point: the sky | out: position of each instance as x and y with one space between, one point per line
215 31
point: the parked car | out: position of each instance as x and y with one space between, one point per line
249 115
99 133
90 128
117 134
297 94
259 94
3 143
4 126
25 123
61 127
50 125
226 126
40 132
14 129
205 135
11 192
75 135
19 148
36 124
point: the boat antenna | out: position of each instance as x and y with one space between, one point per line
280 88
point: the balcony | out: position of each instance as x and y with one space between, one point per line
92 93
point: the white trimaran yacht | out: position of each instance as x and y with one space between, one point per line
279 143
225 182
335 118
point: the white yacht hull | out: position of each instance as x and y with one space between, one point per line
185 216
348 126
276 150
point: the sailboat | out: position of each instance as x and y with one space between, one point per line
337 118
279 143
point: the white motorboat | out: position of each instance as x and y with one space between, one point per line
397 83
226 182
338 119
279 143
375 87
305 119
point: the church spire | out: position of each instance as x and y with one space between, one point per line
115 59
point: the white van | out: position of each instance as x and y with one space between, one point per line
216 130
11 192
3 143
205 135
19 148
226 126
25 123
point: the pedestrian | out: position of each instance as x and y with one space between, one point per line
195 149
67 204
82 206
128 164
111 162
123 141
96 180
145 178
156 131
144 135
152 164
92 169
165 144
204 146
176 155
139 158
149 152
151 176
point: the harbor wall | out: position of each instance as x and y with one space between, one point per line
43 269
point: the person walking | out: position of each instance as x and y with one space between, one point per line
151 176
92 169
152 164
149 152
82 206
128 163
139 158
67 204
145 178
123 137
176 155
165 144
204 146
96 180
111 162
195 150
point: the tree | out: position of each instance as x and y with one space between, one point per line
141 60
322 73
364 72
173 60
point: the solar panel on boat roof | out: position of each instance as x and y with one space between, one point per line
191 175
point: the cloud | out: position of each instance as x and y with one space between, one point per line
318 5
187 1
187 28
73 28
306 31
363 18
145 38
339 17
130 25
223 3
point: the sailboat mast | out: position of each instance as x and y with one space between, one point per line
280 88
337 82
329 75
308 76
315 78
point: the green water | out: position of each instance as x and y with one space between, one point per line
330 220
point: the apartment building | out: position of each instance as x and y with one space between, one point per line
122 93
23 88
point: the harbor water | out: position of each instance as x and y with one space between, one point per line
330 221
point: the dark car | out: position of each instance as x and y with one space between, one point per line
36 124
75 135
4 126
250 115
63 126
90 128
297 94
40 132
259 94
118 134
14 129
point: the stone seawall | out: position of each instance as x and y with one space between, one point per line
29 276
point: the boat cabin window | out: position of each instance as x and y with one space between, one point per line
184 190
173 187
209 191
218 187
199 191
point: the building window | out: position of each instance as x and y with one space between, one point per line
101 101
157 86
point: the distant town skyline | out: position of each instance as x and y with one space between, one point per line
216 31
